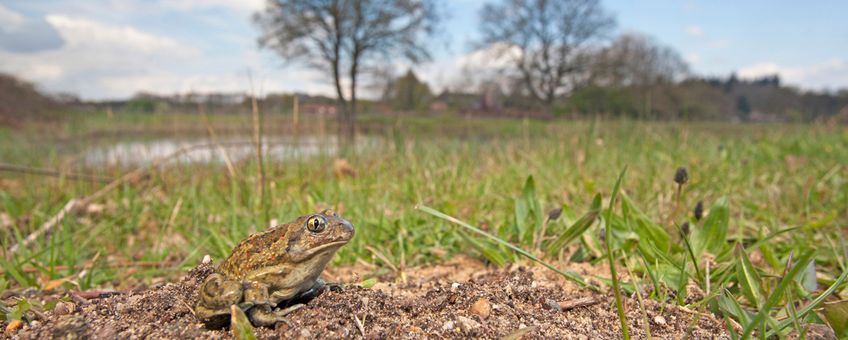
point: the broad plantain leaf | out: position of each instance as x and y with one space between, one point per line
578 228
712 235
836 314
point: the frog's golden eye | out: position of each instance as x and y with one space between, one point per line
316 224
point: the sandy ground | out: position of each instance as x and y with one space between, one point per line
461 298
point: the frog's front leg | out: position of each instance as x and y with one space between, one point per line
263 313
265 316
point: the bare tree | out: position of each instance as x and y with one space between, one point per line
546 40
343 36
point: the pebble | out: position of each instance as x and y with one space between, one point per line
481 308
206 259
659 320
64 308
466 324
448 325
454 286
134 299
13 326
551 304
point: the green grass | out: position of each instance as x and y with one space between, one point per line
769 191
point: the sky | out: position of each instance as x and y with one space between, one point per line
112 49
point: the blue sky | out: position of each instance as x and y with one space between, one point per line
102 49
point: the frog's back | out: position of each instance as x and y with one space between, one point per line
256 251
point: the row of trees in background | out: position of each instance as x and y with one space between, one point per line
549 58
556 57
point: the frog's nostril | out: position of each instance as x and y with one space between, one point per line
347 226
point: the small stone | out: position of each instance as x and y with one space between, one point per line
134 299
553 305
64 308
659 320
13 326
533 284
481 308
448 325
305 333
466 324
206 259
454 286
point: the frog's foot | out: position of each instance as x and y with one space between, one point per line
317 289
334 286
264 316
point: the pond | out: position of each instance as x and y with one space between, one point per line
205 150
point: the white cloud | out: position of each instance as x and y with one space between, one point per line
465 71
96 57
693 58
10 20
827 75
100 61
80 34
237 5
695 31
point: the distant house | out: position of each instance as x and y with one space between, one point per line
315 108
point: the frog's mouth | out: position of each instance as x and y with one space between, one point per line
325 248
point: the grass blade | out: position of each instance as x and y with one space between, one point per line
812 305
619 303
775 296
573 277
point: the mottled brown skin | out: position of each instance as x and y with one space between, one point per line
272 269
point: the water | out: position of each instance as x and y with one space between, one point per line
203 150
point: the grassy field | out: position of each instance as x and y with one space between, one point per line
771 239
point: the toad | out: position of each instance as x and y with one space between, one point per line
268 273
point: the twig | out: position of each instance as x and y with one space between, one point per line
359 325
186 305
53 173
174 214
580 302
383 258
257 140
47 226
214 137
96 294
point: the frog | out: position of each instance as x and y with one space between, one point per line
269 274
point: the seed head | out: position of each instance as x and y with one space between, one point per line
681 176
554 214
685 228
698 211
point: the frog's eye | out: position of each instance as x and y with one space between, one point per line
316 224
